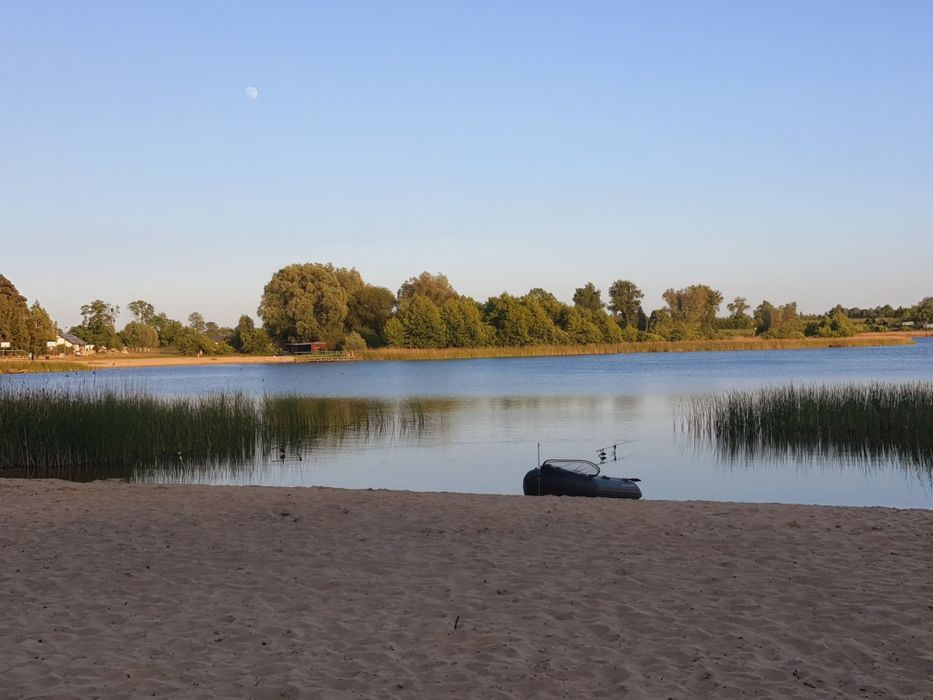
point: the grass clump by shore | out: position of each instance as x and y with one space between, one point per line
857 422
736 343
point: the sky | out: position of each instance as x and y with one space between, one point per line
779 151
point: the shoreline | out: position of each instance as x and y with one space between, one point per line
119 361
213 591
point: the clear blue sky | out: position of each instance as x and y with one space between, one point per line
772 150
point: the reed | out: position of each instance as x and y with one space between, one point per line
867 423
52 432
737 343
25 366
131 434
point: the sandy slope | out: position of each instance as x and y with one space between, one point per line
117 590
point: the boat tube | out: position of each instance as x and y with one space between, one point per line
576 477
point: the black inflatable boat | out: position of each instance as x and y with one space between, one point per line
576 477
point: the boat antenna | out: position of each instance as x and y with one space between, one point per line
609 453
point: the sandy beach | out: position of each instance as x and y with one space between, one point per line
118 590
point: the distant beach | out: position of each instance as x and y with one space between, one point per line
118 590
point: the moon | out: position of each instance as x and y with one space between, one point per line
252 93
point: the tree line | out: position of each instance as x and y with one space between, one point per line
320 302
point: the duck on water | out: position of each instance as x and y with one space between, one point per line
578 477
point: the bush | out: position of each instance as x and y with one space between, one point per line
353 342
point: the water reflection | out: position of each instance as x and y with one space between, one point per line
224 437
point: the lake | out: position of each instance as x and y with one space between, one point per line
482 420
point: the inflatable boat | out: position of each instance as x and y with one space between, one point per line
576 477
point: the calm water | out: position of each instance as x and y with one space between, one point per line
484 418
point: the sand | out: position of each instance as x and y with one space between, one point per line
118 590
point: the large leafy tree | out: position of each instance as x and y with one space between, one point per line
550 304
580 328
418 324
169 329
925 310
41 328
196 322
625 302
694 308
14 315
99 324
250 340
778 321
437 288
608 328
308 302
661 324
543 317
588 297
368 310
465 325
835 324
142 311
511 319
140 336
738 308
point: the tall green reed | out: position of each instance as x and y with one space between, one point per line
866 423
132 434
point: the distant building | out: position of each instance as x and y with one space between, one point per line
68 341
305 348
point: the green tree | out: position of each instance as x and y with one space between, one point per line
249 340
41 329
738 312
925 310
695 308
608 327
465 325
349 279
544 315
437 288
661 324
777 321
625 302
14 315
142 311
308 302
579 327
588 297
196 322
511 319
98 326
368 310
550 304
835 324
417 324
168 329
190 342
140 336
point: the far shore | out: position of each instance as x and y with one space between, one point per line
131 590
118 360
